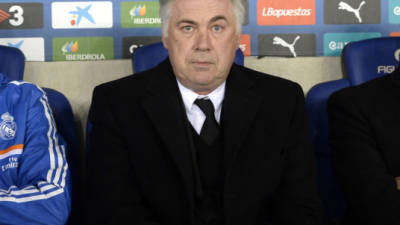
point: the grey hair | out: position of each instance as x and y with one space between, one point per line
166 6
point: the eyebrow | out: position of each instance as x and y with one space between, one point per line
185 21
214 19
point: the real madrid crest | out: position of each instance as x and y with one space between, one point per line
8 128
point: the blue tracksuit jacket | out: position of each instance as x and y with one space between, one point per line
34 175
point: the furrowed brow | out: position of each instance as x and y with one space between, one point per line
216 18
185 21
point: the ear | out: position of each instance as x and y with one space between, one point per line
164 41
239 39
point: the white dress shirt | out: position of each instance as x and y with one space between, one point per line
193 112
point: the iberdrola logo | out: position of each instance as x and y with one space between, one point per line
140 14
137 11
70 47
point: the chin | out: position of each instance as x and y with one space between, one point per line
202 82
203 71
204 78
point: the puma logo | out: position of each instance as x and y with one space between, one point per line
347 7
280 41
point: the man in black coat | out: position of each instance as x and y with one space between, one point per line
199 140
364 136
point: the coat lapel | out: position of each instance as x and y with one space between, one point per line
164 107
239 110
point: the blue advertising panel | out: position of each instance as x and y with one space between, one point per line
101 30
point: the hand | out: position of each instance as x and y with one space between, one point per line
397 179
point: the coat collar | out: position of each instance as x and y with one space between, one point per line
165 109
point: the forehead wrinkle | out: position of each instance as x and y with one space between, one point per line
212 20
186 21
218 17
183 10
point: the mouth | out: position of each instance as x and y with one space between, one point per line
202 63
202 66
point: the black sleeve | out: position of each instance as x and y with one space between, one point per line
369 189
298 201
113 197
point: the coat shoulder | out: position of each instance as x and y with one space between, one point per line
366 92
133 85
267 83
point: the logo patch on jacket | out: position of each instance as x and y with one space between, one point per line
8 128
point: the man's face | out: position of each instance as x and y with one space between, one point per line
202 42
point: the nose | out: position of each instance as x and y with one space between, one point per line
203 42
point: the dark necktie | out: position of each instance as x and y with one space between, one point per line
210 130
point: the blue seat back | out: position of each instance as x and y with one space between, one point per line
361 61
149 56
369 59
330 192
12 62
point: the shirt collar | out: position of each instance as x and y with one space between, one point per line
189 96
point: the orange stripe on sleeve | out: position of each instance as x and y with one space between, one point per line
20 146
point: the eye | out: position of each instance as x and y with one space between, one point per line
187 28
217 28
